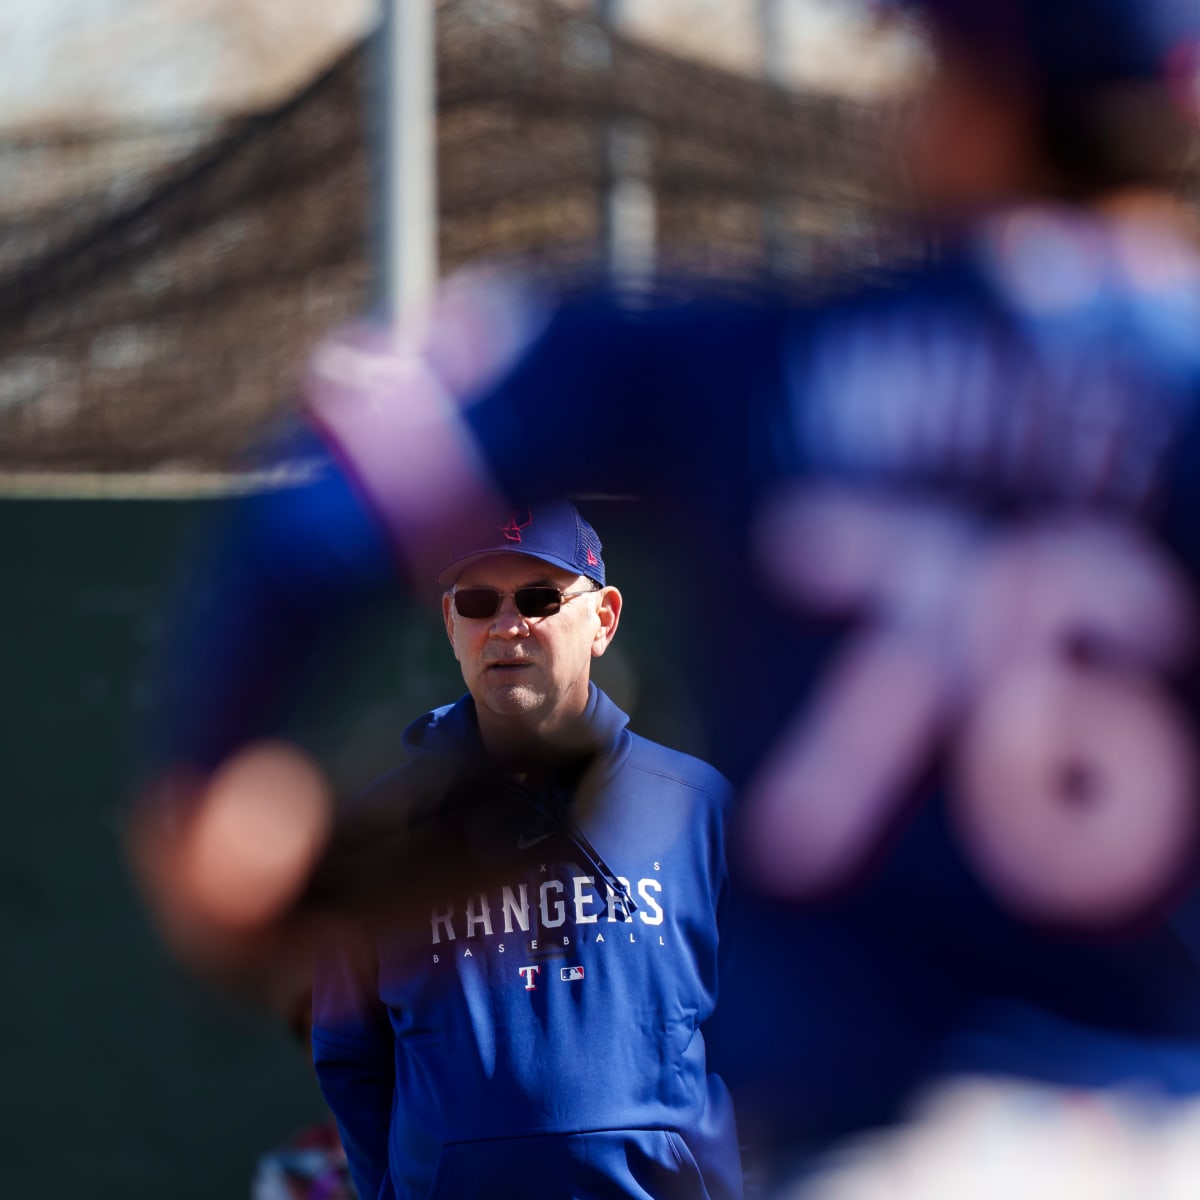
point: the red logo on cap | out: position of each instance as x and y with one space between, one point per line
512 530
593 561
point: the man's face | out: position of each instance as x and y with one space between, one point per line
529 675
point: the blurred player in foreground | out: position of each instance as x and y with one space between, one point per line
539 1033
936 556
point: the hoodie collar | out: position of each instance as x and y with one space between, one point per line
451 735
454 729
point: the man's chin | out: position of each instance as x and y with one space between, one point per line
514 699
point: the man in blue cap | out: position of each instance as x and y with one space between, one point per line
538 1031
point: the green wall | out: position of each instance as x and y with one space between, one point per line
122 1076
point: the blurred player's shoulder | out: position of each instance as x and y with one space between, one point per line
991 370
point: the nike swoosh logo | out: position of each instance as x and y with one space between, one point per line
524 842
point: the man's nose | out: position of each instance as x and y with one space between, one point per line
508 622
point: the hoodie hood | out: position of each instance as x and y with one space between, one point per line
454 729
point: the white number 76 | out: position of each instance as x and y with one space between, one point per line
1032 661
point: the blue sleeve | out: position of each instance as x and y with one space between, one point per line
721 875
651 399
353 1054
280 572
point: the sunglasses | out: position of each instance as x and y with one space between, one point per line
479 603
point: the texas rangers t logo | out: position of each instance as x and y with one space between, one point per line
512 529
527 973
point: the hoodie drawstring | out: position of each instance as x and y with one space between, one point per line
566 825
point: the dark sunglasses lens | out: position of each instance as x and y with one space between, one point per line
476 603
538 601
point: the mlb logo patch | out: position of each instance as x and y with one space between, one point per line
570 974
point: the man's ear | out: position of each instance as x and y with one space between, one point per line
609 612
448 621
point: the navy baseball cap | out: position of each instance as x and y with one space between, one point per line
1073 46
554 532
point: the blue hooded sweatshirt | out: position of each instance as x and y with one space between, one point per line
531 1038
